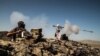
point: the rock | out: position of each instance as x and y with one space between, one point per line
49 47
37 51
71 52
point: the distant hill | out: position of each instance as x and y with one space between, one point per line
93 43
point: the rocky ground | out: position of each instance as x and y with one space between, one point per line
46 47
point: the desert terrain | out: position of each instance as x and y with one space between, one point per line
47 47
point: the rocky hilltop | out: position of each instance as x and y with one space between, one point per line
46 47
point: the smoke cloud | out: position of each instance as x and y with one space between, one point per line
41 21
75 29
70 28
35 22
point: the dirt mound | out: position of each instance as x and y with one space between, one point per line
46 47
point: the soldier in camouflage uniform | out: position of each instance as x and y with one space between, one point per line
16 32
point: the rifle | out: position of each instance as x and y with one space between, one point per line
15 32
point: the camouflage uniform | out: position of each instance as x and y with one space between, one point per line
16 32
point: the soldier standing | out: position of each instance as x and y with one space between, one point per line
58 33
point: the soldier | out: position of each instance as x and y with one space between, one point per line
58 33
17 31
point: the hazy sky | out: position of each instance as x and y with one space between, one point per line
84 13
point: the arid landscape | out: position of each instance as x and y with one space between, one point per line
47 47
92 43
50 28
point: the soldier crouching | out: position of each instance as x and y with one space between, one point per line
16 32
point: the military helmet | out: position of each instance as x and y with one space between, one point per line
21 24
